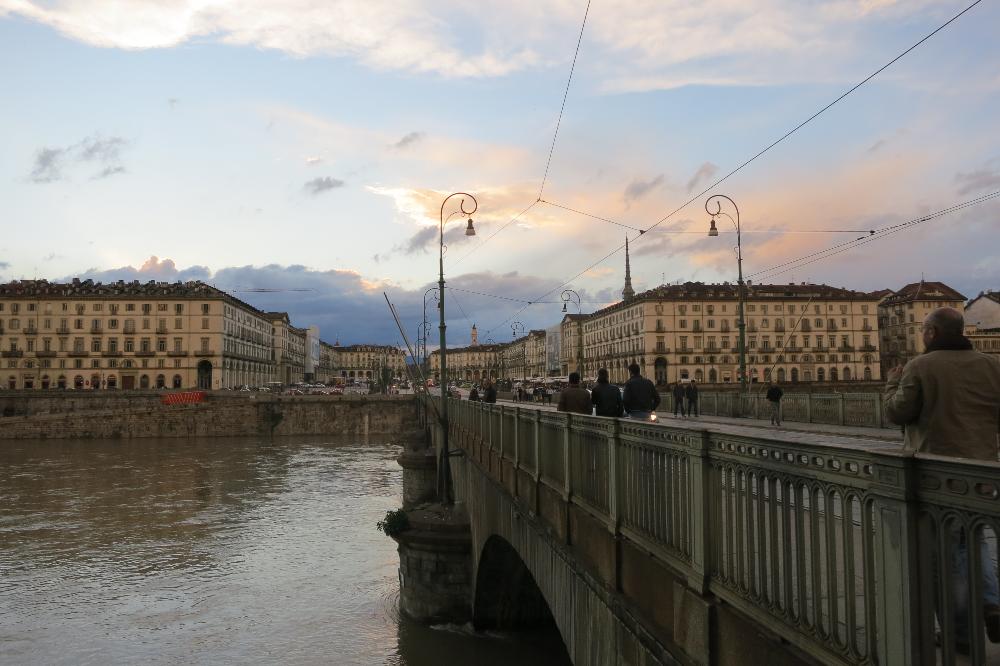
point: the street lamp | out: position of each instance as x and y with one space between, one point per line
570 296
513 331
741 323
432 290
444 475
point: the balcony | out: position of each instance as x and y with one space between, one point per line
79 353
162 330
868 348
46 353
12 353
31 330
203 352
177 352
111 354
62 330
97 329
129 330
146 353
845 348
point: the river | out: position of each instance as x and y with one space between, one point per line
214 551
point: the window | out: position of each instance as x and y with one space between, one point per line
179 308
112 345
95 345
177 344
178 323
130 307
129 345
98 307
146 307
204 308
204 323
161 307
112 323
683 323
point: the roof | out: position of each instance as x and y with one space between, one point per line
923 291
988 295
77 288
728 291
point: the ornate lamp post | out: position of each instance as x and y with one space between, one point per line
741 323
444 469
570 296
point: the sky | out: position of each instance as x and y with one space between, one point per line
308 145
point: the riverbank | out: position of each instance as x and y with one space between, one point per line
104 415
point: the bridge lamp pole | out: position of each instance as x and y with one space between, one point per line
513 330
444 468
570 296
741 322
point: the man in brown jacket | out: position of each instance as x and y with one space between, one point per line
948 399
574 398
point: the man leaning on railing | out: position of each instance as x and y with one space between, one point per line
948 400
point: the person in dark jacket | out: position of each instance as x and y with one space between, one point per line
640 398
773 396
489 392
678 392
691 393
607 399
474 394
574 398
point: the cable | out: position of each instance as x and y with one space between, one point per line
864 240
562 109
815 115
596 217
490 237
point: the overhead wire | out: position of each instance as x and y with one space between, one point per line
747 162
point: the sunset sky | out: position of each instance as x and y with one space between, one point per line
308 144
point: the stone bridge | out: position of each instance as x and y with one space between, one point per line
654 544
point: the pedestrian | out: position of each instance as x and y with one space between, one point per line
574 398
691 393
640 398
948 399
474 394
607 397
489 392
679 393
773 396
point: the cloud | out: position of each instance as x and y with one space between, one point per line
986 178
640 188
313 161
4 265
408 140
152 269
323 184
173 102
404 35
50 163
704 173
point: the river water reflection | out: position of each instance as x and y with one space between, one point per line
213 551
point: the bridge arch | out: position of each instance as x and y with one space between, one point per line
507 598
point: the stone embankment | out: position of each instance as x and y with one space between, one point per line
108 415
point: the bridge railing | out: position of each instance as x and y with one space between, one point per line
854 555
852 409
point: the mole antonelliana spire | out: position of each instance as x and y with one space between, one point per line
628 293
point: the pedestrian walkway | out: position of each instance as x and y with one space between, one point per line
812 433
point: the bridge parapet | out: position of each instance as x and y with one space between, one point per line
840 552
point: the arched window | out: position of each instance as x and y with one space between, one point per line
807 375
795 375
820 374
781 375
78 382
833 374
61 382
699 376
713 376
45 381
177 381
868 374
847 374
144 382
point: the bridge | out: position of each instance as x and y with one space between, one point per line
656 544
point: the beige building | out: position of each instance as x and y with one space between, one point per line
472 363
128 335
901 317
571 347
985 340
289 349
363 362
983 311
794 333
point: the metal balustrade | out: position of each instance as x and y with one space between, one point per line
858 556
851 409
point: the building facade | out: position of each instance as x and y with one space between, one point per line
130 335
472 363
794 333
901 317
364 362
983 311
571 349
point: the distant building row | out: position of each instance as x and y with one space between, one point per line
796 333
131 335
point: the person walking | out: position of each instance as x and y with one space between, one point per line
640 398
606 397
948 400
574 398
489 392
691 393
678 393
773 396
